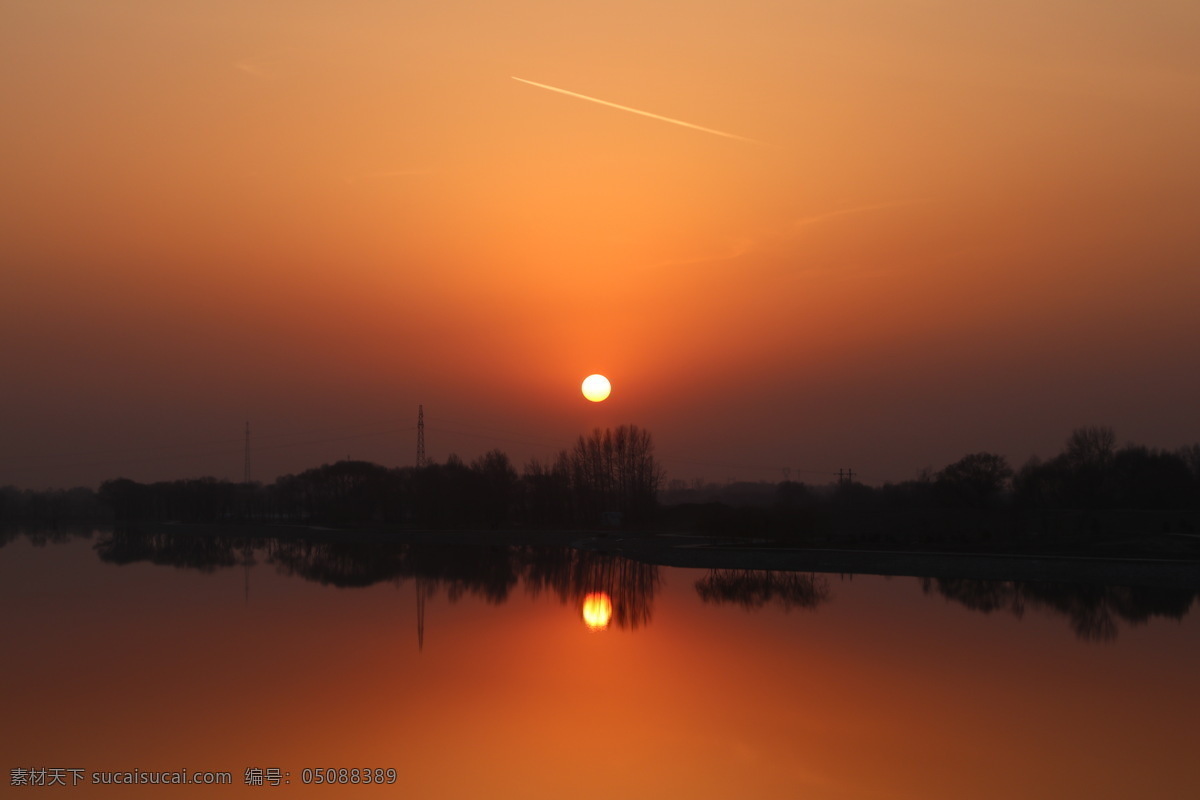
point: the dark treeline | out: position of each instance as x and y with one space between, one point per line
608 477
52 506
1091 491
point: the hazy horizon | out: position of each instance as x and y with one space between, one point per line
794 236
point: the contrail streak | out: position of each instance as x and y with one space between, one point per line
855 210
638 111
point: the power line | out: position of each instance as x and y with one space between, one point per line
230 443
491 433
223 450
494 436
756 467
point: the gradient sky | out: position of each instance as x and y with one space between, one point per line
947 227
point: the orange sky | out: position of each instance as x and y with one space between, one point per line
956 229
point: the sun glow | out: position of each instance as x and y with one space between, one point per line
596 388
597 611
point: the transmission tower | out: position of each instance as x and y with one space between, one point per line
420 436
246 474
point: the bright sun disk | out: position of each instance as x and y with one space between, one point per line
596 388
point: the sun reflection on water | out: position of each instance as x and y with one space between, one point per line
597 611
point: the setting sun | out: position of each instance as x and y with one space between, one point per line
596 388
597 611
886 288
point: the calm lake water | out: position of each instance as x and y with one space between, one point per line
515 673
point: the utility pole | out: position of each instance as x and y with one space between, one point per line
420 436
246 471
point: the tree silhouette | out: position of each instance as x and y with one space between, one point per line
1088 459
615 470
1146 478
497 487
546 492
974 480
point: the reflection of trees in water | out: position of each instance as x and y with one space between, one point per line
1092 609
205 553
573 574
341 564
40 537
490 572
754 588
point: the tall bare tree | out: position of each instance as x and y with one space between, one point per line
615 470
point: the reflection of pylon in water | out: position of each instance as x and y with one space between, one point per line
422 593
248 561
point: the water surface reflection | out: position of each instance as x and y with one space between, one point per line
493 572
753 589
490 572
140 650
1093 610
